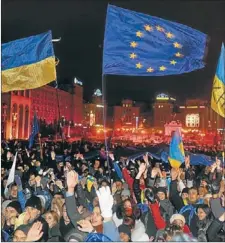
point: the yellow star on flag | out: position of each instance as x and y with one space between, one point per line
139 34
133 55
162 68
159 28
178 54
148 27
150 70
138 65
177 45
173 62
169 35
133 44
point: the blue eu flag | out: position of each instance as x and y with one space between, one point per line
35 131
137 44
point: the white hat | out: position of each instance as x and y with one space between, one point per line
177 217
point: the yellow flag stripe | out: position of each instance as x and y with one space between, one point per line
218 97
174 163
29 76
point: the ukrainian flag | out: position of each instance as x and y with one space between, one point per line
28 63
218 90
176 152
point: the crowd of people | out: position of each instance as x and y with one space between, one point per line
61 193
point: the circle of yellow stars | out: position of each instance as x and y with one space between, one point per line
169 35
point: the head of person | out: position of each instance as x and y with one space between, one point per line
129 221
202 191
192 195
184 194
14 191
104 183
177 219
125 194
20 233
65 215
161 193
119 186
13 210
32 177
203 212
51 218
58 195
57 206
33 207
127 207
96 164
97 220
125 233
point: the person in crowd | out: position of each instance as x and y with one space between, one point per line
70 194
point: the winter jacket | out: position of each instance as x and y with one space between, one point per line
215 231
128 179
174 197
149 223
111 231
189 213
159 220
71 208
202 227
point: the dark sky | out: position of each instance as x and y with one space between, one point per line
80 23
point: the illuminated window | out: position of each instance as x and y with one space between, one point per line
192 120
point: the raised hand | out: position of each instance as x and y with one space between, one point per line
142 168
72 180
35 233
105 201
174 173
85 226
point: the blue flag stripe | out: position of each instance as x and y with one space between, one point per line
27 51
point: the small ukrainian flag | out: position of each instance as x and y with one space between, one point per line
218 90
28 63
176 152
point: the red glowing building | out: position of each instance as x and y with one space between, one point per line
18 108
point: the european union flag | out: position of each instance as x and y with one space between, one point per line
218 92
137 44
35 131
176 151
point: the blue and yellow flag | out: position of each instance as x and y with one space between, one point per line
137 44
176 151
28 63
218 90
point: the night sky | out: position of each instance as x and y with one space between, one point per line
80 23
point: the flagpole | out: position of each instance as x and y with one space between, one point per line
104 122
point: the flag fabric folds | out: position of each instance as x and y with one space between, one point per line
137 44
218 89
176 151
28 63
35 131
11 175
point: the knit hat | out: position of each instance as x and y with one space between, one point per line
76 236
177 217
24 228
5 204
34 202
16 206
162 189
124 229
125 193
185 190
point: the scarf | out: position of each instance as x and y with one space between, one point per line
192 212
167 207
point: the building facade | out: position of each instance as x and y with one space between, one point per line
93 112
193 114
49 103
126 116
